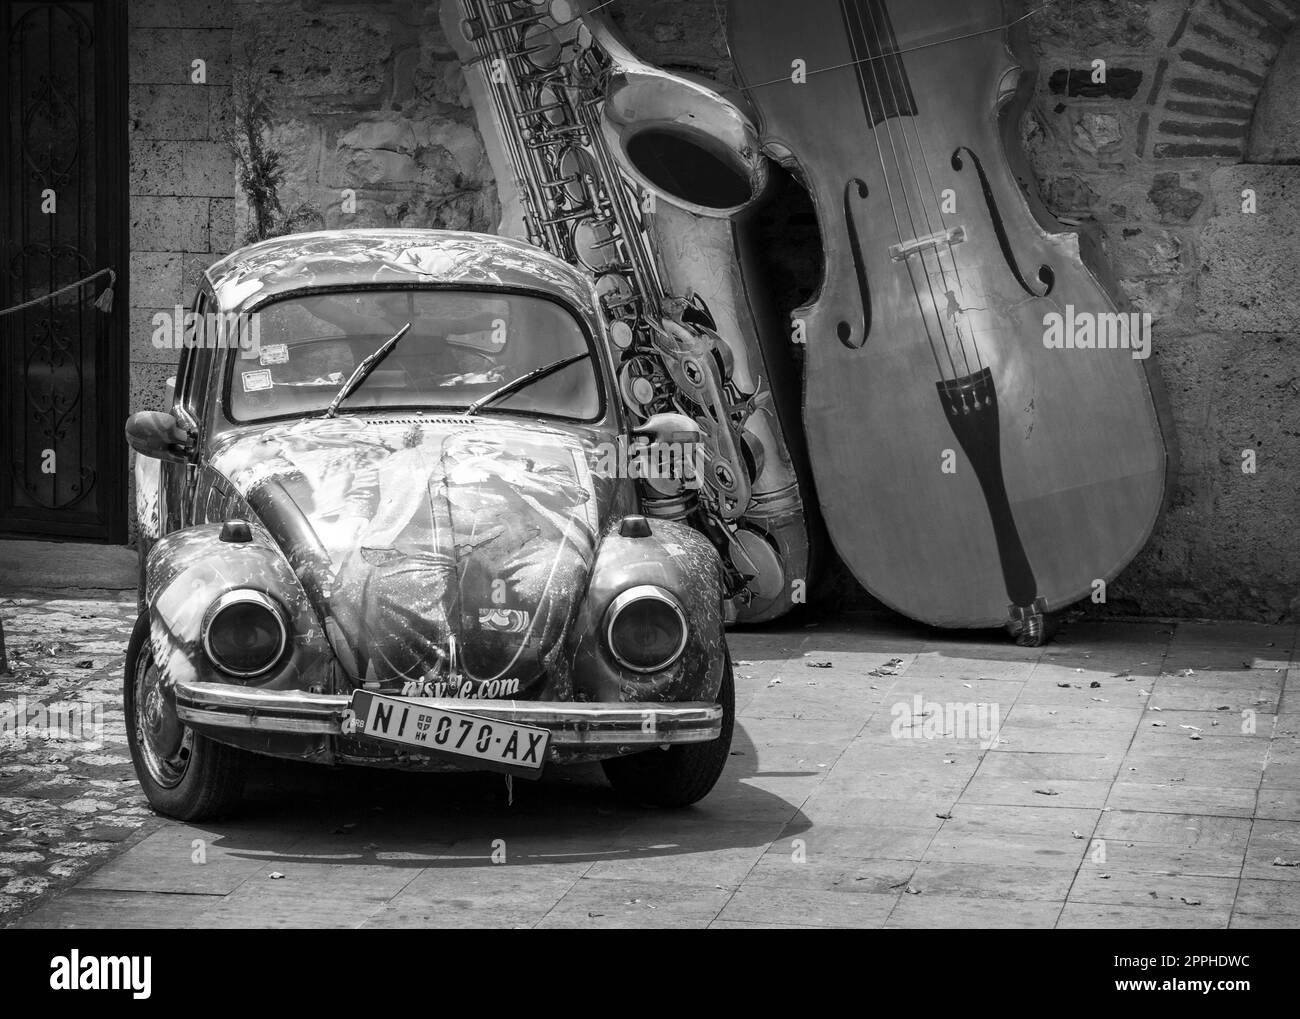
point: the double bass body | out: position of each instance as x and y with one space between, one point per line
969 473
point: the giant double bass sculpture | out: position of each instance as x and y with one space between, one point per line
643 179
970 473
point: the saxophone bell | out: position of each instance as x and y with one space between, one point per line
678 138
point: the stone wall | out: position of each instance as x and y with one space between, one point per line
182 185
1158 157
371 113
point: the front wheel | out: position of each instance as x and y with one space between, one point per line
183 774
682 774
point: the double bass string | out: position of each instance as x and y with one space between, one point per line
932 196
893 208
920 192
902 180
910 49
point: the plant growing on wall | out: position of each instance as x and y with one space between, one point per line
259 165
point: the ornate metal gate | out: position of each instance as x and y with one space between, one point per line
63 215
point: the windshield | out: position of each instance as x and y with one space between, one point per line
462 345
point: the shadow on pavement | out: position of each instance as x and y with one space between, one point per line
312 814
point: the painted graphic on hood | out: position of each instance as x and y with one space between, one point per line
446 556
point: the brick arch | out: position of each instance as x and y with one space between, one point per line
1206 89
1275 129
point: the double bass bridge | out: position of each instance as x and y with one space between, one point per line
930 242
970 393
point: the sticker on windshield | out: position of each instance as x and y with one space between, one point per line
274 353
256 381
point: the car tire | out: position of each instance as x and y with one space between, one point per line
683 774
183 774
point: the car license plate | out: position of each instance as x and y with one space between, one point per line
491 743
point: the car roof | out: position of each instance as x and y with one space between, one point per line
367 257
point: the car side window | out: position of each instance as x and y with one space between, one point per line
185 369
191 390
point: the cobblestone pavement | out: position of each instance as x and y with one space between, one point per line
67 799
1131 774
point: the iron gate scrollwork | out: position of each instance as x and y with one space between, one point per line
62 216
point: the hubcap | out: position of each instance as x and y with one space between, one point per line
165 742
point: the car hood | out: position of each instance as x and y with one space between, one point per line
446 556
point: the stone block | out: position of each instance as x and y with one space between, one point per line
156 167
1069 197
1159 296
440 80
221 217
370 212
147 380
212 46
180 14
1174 202
169 224
332 54
143 328
165 56
377 166
156 56
169 111
220 116
463 143
1101 25
301 144
1250 262
1225 549
208 169
394 134
675 34
1098 134
1136 252
155 278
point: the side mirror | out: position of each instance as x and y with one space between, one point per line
668 428
153 433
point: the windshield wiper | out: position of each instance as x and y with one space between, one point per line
525 379
363 370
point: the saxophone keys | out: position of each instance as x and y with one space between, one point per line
471 29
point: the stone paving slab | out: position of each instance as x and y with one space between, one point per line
68 798
97 908
1071 802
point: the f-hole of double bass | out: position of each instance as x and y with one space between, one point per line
856 188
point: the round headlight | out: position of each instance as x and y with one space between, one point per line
646 629
244 633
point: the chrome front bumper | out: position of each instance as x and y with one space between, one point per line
572 725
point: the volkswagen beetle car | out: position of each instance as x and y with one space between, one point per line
378 526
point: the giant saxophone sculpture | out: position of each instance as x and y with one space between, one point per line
640 177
